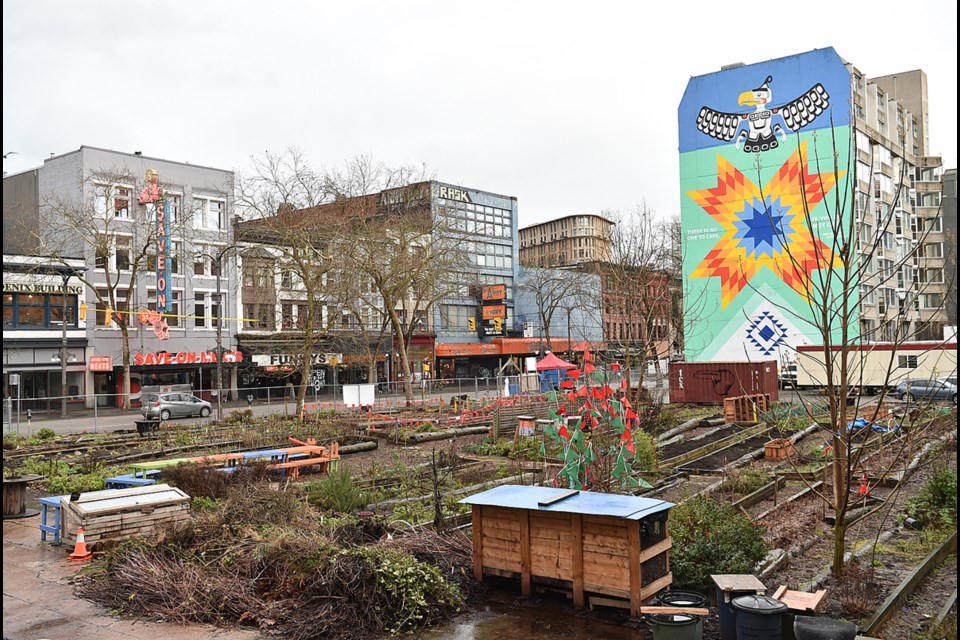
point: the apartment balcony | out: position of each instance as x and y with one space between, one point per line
928 187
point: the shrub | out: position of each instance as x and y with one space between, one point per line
416 588
46 434
744 481
198 480
936 505
646 448
337 492
711 538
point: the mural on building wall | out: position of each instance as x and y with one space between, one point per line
759 189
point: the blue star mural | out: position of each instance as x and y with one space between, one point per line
760 228
766 333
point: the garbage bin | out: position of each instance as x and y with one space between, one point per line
145 426
730 586
684 599
758 617
675 626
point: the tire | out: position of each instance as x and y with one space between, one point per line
165 414
204 412
907 397
954 398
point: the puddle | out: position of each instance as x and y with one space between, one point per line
535 619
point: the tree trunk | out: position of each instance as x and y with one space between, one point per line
304 382
125 350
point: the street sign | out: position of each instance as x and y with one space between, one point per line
527 329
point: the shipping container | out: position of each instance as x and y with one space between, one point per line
711 382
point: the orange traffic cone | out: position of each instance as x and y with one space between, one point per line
80 550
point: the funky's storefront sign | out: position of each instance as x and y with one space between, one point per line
184 357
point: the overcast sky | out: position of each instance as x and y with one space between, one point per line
570 107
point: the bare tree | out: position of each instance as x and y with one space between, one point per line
107 220
288 239
853 260
554 289
638 291
412 259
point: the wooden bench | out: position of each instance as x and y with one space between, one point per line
295 465
129 480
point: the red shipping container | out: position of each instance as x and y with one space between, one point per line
711 382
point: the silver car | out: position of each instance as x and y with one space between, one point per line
173 405
927 389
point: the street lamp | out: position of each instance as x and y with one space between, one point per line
66 272
219 381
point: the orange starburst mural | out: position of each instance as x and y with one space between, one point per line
765 228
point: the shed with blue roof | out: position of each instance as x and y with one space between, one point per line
589 542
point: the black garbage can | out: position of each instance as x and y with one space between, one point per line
758 617
145 426
728 624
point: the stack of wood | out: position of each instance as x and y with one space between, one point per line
746 408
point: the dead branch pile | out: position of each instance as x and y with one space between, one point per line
264 562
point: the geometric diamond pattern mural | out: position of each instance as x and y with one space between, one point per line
766 333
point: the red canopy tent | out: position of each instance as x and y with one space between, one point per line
552 363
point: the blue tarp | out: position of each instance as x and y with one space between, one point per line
861 423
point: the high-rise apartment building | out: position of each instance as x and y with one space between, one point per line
566 241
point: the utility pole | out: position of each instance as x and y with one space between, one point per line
219 381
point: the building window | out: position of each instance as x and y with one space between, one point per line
208 213
38 310
172 315
112 201
907 362
201 319
124 253
122 306
259 316
102 252
931 275
933 250
931 300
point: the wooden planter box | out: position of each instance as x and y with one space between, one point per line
778 449
123 513
612 545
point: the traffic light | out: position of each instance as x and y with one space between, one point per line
108 316
472 323
83 310
498 325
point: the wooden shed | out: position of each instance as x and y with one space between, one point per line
123 513
613 545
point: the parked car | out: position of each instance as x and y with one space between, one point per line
927 389
173 405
